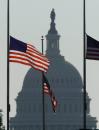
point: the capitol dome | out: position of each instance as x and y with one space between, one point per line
65 82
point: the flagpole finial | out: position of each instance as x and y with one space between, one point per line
42 37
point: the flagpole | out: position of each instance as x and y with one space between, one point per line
84 64
8 105
43 98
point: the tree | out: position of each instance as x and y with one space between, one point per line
1 121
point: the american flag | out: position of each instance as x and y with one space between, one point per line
27 54
92 48
48 91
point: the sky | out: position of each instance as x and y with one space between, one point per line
29 20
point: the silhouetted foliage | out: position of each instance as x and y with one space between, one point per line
1 121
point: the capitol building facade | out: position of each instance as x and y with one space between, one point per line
67 86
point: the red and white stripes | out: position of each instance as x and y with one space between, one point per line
49 92
32 57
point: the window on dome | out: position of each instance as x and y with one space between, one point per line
57 80
34 107
52 80
38 80
65 107
38 127
66 80
76 108
57 44
59 127
62 80
58 108
52 45
46 107
51 127
70 108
